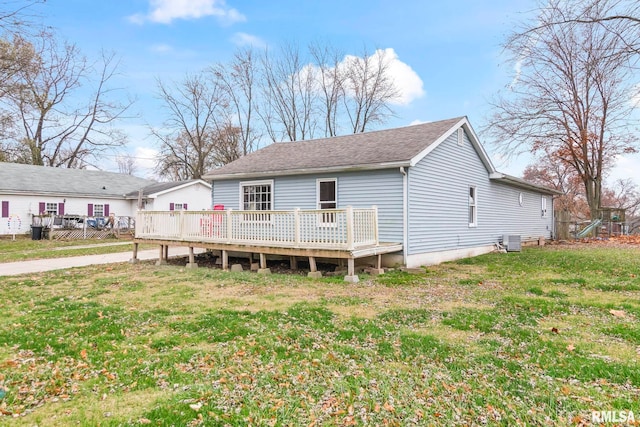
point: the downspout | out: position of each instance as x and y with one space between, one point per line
405 214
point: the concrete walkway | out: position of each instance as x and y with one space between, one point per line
40 265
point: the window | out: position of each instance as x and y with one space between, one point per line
5 209
98 210
473 206
327 199
177 206
257 196
543 206
520 199
51 208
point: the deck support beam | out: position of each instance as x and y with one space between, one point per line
192 262
293 262
314 273
162 255
225 260
263 265
134 258
351 276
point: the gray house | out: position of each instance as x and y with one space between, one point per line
436 191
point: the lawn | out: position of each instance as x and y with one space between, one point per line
541 337
23 248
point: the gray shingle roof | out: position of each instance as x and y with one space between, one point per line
28 179
350 151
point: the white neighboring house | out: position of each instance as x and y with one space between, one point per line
193 195
27 190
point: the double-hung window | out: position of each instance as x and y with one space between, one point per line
52 208
543 206
257 196
473 206
327 199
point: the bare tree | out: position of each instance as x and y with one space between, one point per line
54 128
331 80
619 17
238 80
570 96
16 16
197 124
369 90
288 95
126 164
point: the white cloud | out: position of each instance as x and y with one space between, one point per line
165 11
407 81
244 39
161 48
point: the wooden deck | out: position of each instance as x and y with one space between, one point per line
336 233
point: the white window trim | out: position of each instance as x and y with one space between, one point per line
253 183
321 219
543 206
460 136
474 222
243 184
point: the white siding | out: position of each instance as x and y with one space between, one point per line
24 207
196 196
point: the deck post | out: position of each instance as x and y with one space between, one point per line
161 256
351 276
296 223
229 226
192 262
225 260
349 228
314 273
134 257
263 265
166 253
293 262
375 226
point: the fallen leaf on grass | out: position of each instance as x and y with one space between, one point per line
571 347
555 330
83 354
618 313
195 406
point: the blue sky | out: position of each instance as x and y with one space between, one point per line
450 51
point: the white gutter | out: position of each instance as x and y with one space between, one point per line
405 214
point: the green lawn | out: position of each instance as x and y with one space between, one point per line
541 337
24 249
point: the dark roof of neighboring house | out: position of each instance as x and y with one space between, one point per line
29 179
159 187
363 150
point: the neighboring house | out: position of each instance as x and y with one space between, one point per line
194 194
27 190
435 188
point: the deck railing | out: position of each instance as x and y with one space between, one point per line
344 229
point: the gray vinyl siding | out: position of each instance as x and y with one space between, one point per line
439 207
382 188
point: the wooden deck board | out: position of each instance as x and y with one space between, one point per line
361 252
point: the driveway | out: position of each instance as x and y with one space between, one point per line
40 265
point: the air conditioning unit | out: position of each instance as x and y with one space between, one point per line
512 242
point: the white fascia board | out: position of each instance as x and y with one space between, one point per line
334 169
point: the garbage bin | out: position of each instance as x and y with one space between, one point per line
36 232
